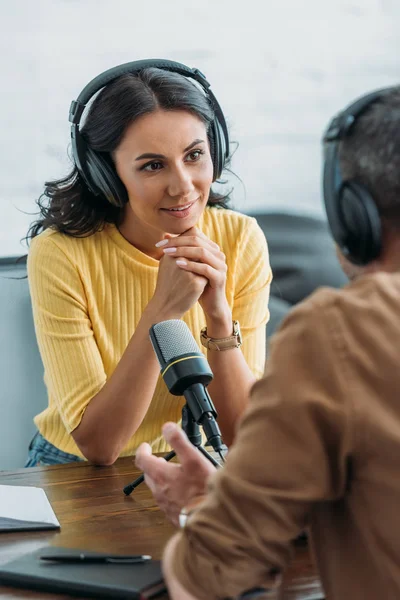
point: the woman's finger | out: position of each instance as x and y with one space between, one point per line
191 237
215 277
192 240
198 254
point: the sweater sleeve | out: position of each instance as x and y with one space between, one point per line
73 367
252 286
291 451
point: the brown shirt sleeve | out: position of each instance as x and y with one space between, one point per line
291 451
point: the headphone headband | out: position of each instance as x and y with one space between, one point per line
352 213
78 105
341 124
98 175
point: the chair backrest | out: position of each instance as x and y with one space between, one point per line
302 255
303 258
22 390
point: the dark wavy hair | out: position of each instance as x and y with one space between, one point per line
67 204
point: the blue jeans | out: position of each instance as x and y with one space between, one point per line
41 453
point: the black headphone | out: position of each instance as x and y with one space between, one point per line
352 213
98 174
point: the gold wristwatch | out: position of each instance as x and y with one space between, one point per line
233 341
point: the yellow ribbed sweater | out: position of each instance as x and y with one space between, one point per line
88 295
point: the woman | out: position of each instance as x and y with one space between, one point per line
133 236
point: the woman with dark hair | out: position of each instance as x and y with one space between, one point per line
155 243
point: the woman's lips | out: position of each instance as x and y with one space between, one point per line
181 213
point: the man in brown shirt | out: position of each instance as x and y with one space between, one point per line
319 444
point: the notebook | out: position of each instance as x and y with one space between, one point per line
23 508
118 581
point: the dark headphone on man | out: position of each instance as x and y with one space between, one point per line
352 213
98 174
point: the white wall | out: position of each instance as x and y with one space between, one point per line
279 68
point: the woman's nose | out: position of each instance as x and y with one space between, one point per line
180 182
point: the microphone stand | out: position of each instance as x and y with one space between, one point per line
192 430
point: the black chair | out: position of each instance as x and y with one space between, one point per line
303 258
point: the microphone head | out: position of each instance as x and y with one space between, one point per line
181 361
171 339
186 372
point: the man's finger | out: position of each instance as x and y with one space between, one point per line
185 451
154 467
142 453
150 484
148 463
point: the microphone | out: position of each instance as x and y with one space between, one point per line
187 373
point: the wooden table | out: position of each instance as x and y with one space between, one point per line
95 515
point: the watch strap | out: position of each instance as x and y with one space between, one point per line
226 343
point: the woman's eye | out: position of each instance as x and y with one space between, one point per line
153 166
195 155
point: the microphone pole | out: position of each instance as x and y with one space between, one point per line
192 430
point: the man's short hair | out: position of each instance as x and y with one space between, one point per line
371 154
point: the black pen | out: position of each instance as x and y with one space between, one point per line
88 557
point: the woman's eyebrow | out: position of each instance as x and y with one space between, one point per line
152 155
195 143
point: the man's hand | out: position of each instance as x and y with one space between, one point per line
175 485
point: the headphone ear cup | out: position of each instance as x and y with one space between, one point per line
218 148
104 178
361 223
